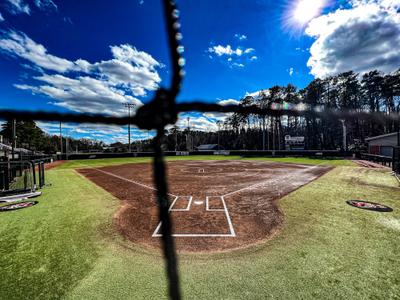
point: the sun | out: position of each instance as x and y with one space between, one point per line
303 11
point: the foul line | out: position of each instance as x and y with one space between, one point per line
270 181
128 180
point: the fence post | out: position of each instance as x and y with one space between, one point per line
32 163
396 160
41 168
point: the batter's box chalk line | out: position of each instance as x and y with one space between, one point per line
189 200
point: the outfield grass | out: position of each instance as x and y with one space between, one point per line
117 161
66 247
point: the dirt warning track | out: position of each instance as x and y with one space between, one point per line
215 205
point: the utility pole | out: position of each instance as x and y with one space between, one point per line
66 147
273 133
344 135
61 143
14 138
176 138
188 135
263 146
218 124
129 106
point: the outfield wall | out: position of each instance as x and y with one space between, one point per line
243 153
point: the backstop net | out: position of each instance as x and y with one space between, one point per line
16 177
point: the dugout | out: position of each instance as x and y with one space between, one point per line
382 144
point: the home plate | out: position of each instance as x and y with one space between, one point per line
198 202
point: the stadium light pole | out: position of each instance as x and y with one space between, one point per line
129 106
344 135
61 143
14 138
188 142
218 124
263 134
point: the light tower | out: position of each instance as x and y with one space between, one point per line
129 106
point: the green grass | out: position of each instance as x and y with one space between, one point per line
73 164
66 247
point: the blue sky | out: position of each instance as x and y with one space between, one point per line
77 56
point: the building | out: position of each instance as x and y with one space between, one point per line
209 147
382 144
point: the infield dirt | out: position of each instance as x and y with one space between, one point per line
215 205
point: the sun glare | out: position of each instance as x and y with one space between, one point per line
305 10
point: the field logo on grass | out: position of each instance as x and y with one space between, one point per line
369 206
20 205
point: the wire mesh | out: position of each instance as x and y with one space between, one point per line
163 110
16 177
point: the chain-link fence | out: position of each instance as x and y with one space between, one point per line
16 177
396 160
163 110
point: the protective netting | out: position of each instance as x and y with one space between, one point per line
16 177
163 110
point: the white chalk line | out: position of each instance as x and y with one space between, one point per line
128 180
171 208
268 181
225 210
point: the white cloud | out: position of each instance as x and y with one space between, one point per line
384 3
130 54
235 57
290 71
138 79
46 5
205 121
239 65
1 18
259 94
225 50
83 94
249 50
229 102
18 7
198 122
20 45
229 51
105 133
217 116
100 87
361 38
241 37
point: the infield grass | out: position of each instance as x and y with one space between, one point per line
66 248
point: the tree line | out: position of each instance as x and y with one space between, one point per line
372 92
31 137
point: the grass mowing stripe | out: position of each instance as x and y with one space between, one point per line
48 248
326 249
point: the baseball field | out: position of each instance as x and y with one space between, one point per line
244 228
